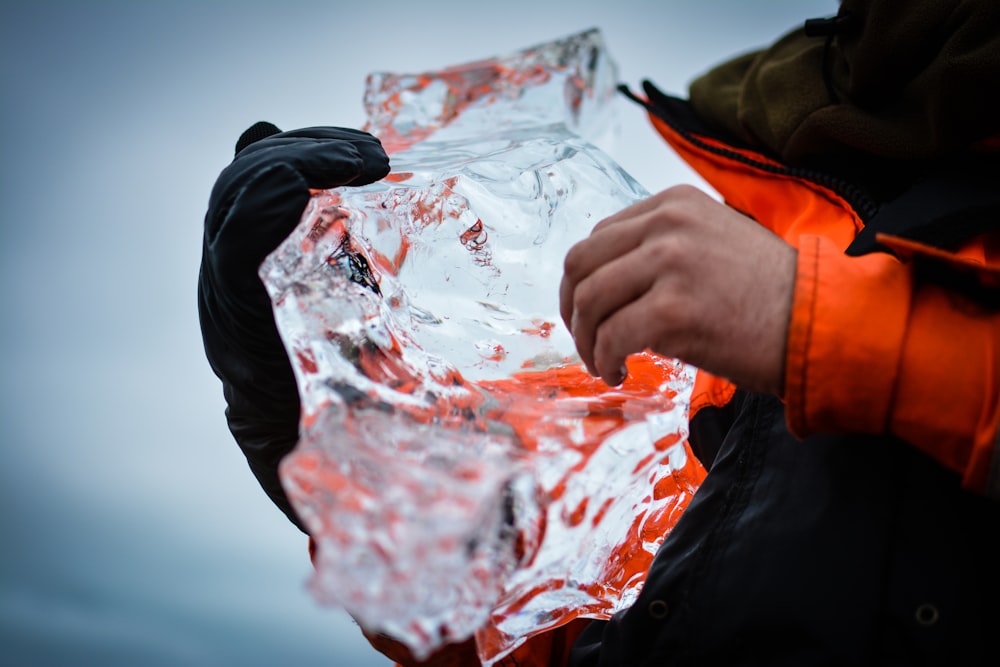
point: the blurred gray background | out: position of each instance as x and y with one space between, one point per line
132 531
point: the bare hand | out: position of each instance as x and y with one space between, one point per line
684 276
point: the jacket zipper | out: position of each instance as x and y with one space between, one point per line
863 205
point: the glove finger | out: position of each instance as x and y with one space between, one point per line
326 132
374 162
323 163
326 163
295 137
329 164
362 160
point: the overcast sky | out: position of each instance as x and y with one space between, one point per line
133 532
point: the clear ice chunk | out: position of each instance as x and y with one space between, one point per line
460 471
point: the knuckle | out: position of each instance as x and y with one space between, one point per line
664 251
585 300
573 262
671 311
685 191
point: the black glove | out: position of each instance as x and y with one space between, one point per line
256 202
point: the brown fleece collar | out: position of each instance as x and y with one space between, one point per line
894 79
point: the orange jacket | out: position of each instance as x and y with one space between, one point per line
877 344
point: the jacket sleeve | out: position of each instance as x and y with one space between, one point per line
907 345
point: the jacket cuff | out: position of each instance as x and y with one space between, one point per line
945 403
845 336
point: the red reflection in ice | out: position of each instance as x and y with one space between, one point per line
459 470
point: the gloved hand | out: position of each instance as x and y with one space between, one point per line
256 202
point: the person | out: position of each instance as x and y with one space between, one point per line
842 305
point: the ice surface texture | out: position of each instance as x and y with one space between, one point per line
459 470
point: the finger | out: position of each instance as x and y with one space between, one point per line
363 140
291 140
608 289
374 163
368 160
329 132
329 163
325 163
639 209
567 287
613 236
628 331
588 255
